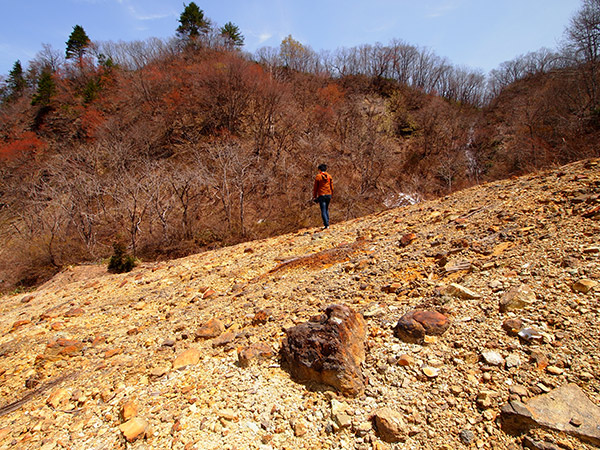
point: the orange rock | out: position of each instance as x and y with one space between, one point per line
65 347
19 323
500 248
407 239
57 326
50 314
208 294
260 318
62 342
389 425
210 329
128 411
58 398
134 429
188 358
98 339
258 350
431 372
112 352
74 312
414 325
406 360
539 360
69 350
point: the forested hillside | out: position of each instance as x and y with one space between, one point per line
171 147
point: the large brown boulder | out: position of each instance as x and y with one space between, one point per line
566 409
414 325
328 350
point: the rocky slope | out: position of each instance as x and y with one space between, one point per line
149 359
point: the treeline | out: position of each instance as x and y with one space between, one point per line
171 147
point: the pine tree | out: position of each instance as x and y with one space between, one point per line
192 22
46 89
78 43
16 82
232 34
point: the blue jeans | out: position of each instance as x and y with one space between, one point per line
324 205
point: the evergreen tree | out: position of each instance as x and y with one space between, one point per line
232 34
16 81
46 89
192 22
78 43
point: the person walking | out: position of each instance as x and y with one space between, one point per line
322 192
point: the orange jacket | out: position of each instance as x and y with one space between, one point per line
323 185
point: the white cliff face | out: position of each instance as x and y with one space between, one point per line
399 199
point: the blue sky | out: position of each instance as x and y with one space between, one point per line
475 33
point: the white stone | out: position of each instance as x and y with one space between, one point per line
493 358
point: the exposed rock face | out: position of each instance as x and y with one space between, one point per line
565 409
328 351
414 325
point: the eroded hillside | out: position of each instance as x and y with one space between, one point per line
90 349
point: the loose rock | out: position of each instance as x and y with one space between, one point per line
329 350
390 425
134 429
189 357
415 325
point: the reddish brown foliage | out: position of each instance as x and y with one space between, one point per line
204 148
27 142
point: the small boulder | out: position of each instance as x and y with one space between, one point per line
134 429
128 411
339 414
58 398
189 357
584 286
512 326
328 349
530 335
405 360
210 329
492 358
18 324
224 339
518 297
390 425
260 318
565 409
415 325
74 312
407 239
256 351
458 291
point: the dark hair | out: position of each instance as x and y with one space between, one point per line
322 167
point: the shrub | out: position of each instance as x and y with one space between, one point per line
120 262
